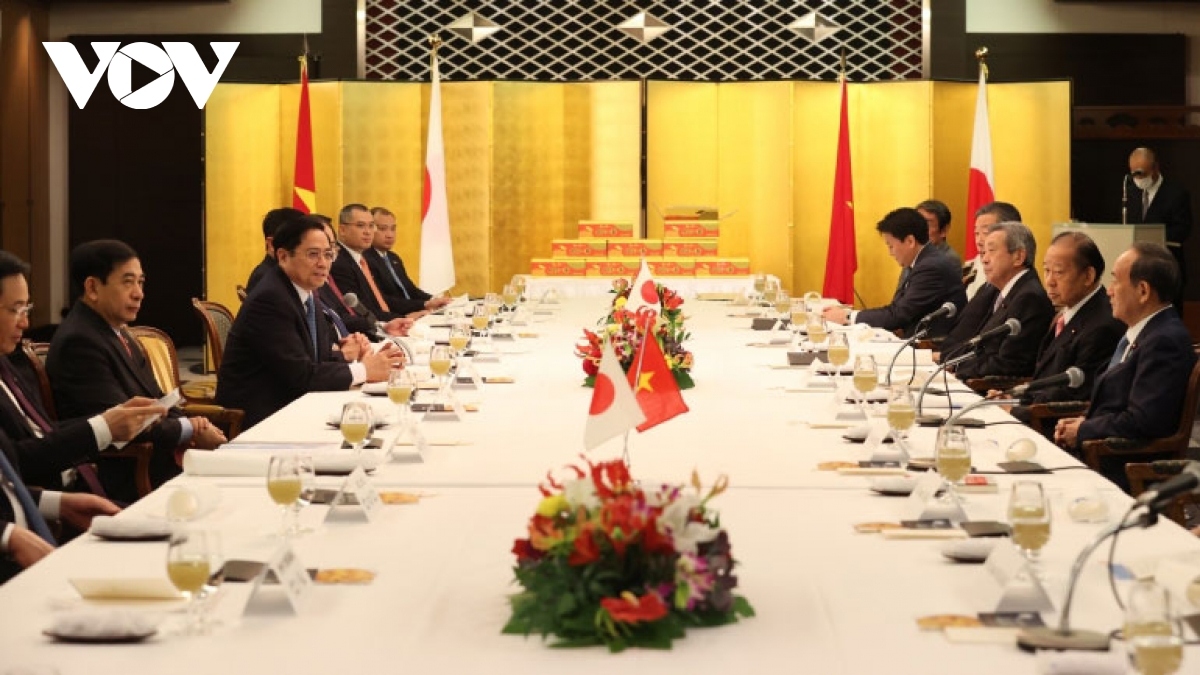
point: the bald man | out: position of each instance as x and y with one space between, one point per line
1154 198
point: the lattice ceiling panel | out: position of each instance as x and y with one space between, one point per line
711 40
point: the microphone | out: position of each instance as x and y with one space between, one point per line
1072 377
1165 492
351 300
947 310
1010 327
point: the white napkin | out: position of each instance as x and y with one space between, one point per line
129 527
1081 663
253 463
93 623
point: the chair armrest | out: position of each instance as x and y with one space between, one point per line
141 453
1132 448
1042 413
228 420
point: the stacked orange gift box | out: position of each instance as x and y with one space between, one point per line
609 249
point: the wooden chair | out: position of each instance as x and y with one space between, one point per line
1144 475
36 353
217 320
164 361
241 292
1043 417
1171 447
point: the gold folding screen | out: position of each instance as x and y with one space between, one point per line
526 160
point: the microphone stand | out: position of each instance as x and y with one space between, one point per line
1063 637
925 387
922 331
978 404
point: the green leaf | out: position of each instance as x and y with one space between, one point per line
566 604
741 606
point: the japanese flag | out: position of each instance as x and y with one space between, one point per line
614 410
644 292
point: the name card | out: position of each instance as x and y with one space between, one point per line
468 375
1017 589
926 488
285 566
363 489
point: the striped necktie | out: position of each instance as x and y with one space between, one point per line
310 316
1119 355
33 517
395 277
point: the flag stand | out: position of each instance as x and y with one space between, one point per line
649 317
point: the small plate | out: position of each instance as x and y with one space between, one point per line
133 537
126 638
969 550
894 486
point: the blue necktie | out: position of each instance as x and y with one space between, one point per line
395 277
33 517
338 324
1116 357
310 314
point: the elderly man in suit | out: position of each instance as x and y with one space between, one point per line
277 349
1158 199
95 364
932 278
1084 333
25 538
1008 255
1140 395
387 266
49 451
973 277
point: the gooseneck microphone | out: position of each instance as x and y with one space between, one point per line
1162 494
1009 328
352 301
1073 377
947 310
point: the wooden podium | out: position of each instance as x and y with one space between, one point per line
1114 238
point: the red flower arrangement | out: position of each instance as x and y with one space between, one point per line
625 333
608 562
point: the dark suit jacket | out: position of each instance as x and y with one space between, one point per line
256 275
1172 206
1087 343
354 321
971 319
8 567
90 372
380 261
350 279
269 360
1015 355
935 279
44 459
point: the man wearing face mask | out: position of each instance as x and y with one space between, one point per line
1154 199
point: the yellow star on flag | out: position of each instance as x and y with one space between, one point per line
307 196
644 382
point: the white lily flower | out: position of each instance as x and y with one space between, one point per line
685 535
581 492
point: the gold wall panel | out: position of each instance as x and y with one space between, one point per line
1031 142
682 131
528 175
243 182
616 145
953 106
577 122
755 174
815 110
467 133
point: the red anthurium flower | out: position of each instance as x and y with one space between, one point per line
629 608
585 551
543 535
610 478
525 551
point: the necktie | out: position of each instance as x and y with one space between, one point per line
362 265
125 344
337 293
338 324
27 407
310 315
396 277
1060 323
1145 203
33 517
999 301
904 274
1119 355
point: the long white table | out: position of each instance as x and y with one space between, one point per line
829 600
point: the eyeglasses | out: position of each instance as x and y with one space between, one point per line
22 311
314 255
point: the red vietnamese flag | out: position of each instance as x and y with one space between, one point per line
653 384
841 261
304 182
981 185
614 410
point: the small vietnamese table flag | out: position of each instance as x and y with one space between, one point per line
643 292
304 182
651 378
614 410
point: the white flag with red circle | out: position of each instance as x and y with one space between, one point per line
981 184
614 409
643 292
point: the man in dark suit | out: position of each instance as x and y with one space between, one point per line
1008 255
351 321
937 216
389 269
270 223
1084 333
352 271
25 538
49 449
95 364
1158 199
972 271
277 349
932 280
1140 395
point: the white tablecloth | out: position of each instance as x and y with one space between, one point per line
590 287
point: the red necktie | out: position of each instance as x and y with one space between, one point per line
337 292
125 344
1060 323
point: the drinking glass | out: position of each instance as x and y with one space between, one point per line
216 576
189 566
480 320
518 282
402 384
901 413
492 302
1029 516
798 316
816 328
838 354
953 457
357 423
760 284
770 292
509 295
783 303
289 479
1153 636
812 300
440 360
460 337
865 377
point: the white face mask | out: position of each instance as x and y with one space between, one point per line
1143 182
